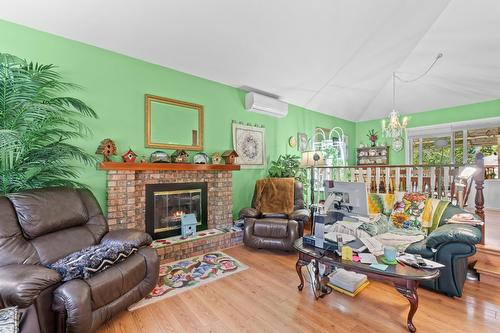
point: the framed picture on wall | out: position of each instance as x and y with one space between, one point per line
249 143
302 142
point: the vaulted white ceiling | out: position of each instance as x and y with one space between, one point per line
333 56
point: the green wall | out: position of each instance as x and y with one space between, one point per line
114 85
434 117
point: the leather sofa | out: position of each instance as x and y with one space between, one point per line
275 231
38 227
450 245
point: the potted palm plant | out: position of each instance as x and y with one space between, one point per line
37 124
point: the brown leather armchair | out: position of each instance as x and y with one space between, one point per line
39 227
275 231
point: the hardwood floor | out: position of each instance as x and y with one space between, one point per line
264 298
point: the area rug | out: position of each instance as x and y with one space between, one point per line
158 243
180 276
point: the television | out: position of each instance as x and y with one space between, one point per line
346 197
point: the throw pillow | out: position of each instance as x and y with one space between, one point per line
435 208
89 261
9 320
381 203
409 210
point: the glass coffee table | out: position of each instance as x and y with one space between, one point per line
404 278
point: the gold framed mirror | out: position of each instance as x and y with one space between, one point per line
173 124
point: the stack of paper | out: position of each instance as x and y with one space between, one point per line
409 259
373 245
349 281
332 237
367 258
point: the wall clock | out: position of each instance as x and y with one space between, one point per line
397 144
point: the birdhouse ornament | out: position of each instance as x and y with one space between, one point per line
106 148
216 158
188 225
129 156
229 156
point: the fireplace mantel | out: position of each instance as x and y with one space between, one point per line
166 166
126 189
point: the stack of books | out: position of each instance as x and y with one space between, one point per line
346 282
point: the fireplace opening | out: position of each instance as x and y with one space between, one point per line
167 203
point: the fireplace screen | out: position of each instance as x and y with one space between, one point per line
167 203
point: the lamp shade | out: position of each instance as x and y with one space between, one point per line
312 158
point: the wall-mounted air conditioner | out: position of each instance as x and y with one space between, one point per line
266 105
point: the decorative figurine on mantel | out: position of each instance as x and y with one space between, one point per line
229 156
180 156
129 156
106 148
200 158
159 156
373 136
216 158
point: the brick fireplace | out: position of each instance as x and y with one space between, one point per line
126 198
166 203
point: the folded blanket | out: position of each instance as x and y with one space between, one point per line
275 195
344 227
381 229
398 241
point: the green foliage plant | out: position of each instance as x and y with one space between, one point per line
287 166
38 122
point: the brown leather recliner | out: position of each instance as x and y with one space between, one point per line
37 228
275 231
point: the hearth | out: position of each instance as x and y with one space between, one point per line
167 203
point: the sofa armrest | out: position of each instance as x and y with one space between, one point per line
454 233
300 215
21 284
73 303
135 237
250 213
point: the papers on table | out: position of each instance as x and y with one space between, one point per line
409 259
381 267
367 258
373 245
332 237
350 225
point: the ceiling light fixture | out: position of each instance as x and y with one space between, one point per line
394 127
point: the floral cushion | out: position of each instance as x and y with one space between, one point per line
408 211
417 211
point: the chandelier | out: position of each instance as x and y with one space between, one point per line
394 127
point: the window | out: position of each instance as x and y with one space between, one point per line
432 150
452 144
